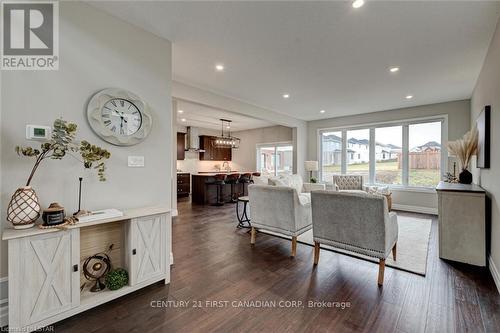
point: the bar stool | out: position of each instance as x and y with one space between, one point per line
218 181
254 174
232 179
245 178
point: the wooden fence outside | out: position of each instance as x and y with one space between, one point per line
422 160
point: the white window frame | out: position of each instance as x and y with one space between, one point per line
274 145
405 123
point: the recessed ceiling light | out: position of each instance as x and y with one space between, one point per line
219 67
358 3
409 96
180 111
322 111
286 96
394 69
183 119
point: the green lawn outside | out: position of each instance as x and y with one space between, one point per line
388 173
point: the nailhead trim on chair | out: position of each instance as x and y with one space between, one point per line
343 246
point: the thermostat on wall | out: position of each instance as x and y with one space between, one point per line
36 132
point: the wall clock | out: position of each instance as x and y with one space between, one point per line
119 117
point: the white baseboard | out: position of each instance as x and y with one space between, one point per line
494 273
171 258
415 209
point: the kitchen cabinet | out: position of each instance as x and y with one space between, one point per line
183 184
212 153
181 146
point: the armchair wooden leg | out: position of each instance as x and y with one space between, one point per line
381 268
316 252
294 246
394 249
252 236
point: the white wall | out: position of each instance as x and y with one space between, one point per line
487 92
245 158
96 51
458 123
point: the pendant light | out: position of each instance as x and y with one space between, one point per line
225 140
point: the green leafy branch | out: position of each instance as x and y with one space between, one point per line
61 144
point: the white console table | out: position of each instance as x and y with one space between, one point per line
462 223
45 264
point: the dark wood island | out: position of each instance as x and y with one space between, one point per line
202 193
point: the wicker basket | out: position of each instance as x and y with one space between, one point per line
24 208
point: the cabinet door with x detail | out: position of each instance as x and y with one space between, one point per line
148 248
48 264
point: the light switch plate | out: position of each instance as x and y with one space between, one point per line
136 161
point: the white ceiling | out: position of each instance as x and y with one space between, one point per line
206 117
327 55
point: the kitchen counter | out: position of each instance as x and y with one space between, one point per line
202 193
213 173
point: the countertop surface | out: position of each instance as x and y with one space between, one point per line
211 174
11 233
457 187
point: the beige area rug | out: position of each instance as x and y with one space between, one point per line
413 245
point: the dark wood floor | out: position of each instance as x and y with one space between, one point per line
214 261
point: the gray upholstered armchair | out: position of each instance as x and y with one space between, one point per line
280 209
348 182
355 222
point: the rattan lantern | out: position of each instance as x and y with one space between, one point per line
24 208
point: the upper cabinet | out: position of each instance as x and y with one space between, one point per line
211 153
181 146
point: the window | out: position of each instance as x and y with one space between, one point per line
358 145
389 155
331 154
424 156
275 159
406 153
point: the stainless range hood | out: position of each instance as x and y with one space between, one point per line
193 140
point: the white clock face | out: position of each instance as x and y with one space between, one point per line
121 117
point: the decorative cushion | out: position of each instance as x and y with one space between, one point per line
260 180
296 182
278 181
305 198
378 189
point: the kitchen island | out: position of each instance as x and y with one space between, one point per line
202 193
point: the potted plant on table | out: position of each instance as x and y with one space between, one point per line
24 208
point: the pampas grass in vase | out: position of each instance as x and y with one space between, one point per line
464 149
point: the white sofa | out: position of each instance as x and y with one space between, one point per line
283 206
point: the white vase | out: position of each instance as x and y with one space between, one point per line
24 208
